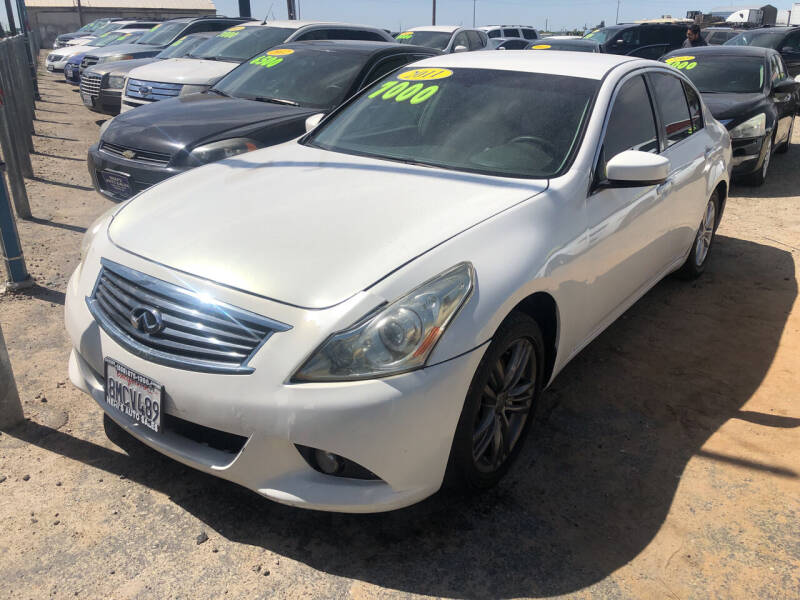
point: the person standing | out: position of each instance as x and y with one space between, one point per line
693 37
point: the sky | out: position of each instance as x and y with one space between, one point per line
401 14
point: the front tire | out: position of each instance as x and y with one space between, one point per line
759 177
698 256
499 406
784 147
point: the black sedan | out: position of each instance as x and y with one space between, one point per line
262 102
785 40
749 90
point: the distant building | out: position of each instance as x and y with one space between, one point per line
747 15
50 18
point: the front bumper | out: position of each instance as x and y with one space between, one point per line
141 176
56 66
748 154
72 73
106 101
400 428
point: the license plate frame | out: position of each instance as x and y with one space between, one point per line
51 68
68 71
133 394
87 100
118 184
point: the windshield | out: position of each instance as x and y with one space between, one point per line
428 116
239 43
568 45
113 26
162 34
601 35
113 40
430 39
752 38
182 46
723 73
93 25
309 78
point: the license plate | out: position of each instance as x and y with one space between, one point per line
134 395
87 100
117 184
68 70
50 67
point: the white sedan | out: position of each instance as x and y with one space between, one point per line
345 321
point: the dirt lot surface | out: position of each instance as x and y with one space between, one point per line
664 464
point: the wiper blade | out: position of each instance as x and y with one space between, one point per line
275 101
220 92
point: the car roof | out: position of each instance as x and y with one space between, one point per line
724 51
766 30
442 28
485 27
295 24
358 46
719 28
575 64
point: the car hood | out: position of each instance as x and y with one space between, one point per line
135 49
169 126
190 71
733 106
121 67
304 226
73 50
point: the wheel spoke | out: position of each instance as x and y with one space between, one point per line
498 443
482 440
512 367
521 367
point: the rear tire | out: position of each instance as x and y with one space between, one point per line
499 407
698 256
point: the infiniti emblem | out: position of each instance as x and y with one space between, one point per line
146 319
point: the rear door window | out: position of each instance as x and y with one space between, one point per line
475 40
631 124
529 34
511 32
695 108
671 101
494 33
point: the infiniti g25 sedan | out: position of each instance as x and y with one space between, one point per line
347 320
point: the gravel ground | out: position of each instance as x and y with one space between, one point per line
664 463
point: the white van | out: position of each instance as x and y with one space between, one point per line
215 58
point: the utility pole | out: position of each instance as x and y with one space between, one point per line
618 1
546 23
291 10
80 13
244 8
10 14
473 13
433 18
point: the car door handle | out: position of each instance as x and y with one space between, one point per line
708 152
664 187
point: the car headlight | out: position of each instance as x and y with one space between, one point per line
96 226
395 338
215 151
754 127
193 89
115 57
115 82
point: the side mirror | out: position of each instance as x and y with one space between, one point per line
787 86
313 121
460 49
633 168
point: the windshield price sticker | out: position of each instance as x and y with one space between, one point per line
237 28
280 52
177 42
541 47
682 62
406 35
228 34
402 90
425 74
156 27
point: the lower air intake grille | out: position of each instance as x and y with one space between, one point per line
170 325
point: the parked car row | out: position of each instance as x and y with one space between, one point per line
387 248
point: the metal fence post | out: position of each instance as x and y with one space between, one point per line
16 270
13 112
15 175
10 406
20 93
24 74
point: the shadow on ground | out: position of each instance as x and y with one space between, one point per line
592 486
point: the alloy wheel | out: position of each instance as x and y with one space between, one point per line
705 233
505 406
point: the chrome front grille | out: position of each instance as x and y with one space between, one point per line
90 83
152 90
143 156
193 332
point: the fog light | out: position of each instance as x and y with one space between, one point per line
328 462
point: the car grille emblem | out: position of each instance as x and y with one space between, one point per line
129 154
146 319
145 91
